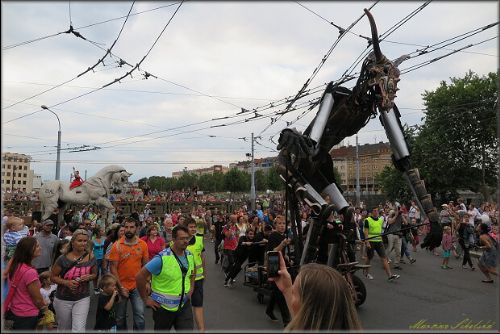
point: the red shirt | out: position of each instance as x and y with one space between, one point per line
231 241
154 247
76 182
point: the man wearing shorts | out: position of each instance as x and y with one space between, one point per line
373 241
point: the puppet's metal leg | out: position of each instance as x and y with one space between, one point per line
401 158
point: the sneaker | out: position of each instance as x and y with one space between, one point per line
398 267
97 291
402 261
369 276
233 280
472 268
230 284
444 267
226 283
393 277
412 261
464 267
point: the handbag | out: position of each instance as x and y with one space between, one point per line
63 272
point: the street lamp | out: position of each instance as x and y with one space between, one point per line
58 162
252 186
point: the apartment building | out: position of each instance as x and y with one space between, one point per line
372 160
16 172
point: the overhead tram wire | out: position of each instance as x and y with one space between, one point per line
189 131
149 51
100 61
428 62
431 48
397 25
318 68
240 114
142 91
389 41
84 27
110 83
69 8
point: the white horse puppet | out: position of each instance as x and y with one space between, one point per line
95 190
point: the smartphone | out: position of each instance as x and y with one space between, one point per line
273 263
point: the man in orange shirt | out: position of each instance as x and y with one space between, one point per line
128 255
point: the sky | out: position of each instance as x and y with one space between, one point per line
200 61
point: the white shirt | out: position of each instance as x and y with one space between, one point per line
472 215
46 293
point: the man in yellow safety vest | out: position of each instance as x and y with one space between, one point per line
197 248
373 240
172 273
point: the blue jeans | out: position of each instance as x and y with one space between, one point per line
137 310
404 248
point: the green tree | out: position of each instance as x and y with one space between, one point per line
393 184
236 180
206 182
457 143
274 181
218 182
260 180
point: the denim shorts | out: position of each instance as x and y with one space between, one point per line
197 296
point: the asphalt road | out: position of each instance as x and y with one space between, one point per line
426 297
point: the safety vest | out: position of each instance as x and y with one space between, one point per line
196 249
172 285
375 228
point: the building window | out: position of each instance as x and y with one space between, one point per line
24 182
8 181
18 181
8 173
8 166
25 167
25 175
19 174
3 166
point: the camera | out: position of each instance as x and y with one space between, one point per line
273 263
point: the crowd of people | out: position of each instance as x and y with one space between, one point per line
158 261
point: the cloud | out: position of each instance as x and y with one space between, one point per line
246 54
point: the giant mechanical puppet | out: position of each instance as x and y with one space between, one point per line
307 167
96 190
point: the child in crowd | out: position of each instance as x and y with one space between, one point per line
105 319
48 321
16 230
446 244
494 232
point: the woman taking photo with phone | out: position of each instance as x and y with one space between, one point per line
278 242
319 299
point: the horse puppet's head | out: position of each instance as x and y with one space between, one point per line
119 180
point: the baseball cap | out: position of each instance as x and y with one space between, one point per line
48 222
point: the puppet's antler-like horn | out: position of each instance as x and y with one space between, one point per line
376 46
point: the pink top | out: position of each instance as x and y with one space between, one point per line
447 241
154 247
22 305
